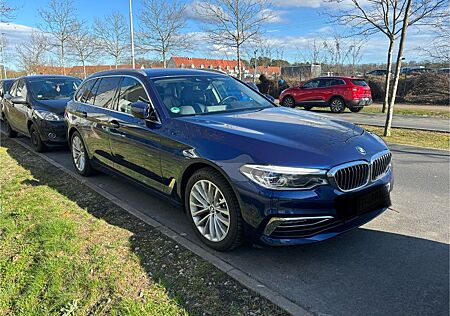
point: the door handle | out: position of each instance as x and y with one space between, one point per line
114 124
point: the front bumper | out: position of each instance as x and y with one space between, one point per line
53 133
280 218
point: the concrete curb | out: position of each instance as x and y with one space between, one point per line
235 273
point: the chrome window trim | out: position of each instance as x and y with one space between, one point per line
129 76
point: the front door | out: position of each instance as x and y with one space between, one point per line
135 143
17 115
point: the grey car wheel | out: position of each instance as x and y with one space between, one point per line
79 155
337 105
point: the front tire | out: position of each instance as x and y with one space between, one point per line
213 210
8 129
79 155
337 105
36 141
288 102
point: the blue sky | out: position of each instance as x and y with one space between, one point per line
296 24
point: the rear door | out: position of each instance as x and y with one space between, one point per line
135 143
17 115
95 113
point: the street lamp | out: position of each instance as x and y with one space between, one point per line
254 70
2 49
132 36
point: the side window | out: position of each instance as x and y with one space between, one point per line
325 83
84 91
106 92
311 84
130 91
21 89
90 96
12 91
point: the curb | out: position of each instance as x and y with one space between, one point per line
235 273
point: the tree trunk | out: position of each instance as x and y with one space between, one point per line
84 70
387 84
62 59
164 59
387 127
238 53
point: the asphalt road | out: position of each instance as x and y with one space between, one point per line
398 264
400 121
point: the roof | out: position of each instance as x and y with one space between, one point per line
198 62
156 72
269 69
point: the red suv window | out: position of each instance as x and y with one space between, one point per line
359 82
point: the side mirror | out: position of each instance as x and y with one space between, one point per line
143 110
19 100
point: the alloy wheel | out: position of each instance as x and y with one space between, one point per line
337 105
209 210
78 154
288 102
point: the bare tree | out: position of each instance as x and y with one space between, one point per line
386 17
312 54
7 11
162 23
83 45
438 49
232 23
113 35
354 52
31 53
59 20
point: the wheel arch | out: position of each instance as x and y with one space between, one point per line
339 97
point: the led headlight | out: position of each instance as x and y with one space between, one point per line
284 178
48 116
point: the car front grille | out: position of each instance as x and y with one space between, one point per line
380 166
352 177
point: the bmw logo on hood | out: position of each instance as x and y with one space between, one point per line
361 150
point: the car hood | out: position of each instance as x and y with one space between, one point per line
55 106
282 136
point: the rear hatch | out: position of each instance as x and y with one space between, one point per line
360 89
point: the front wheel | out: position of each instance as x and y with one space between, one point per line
337 105
36 141
79 155
356 110
213 210
288 102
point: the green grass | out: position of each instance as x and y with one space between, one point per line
65 250
443 113
436 140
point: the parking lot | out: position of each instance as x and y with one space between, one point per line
396 264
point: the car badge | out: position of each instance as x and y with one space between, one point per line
361 150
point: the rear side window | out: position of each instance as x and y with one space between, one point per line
359 82
130 91
106 92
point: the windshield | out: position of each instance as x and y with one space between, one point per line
54 88
198 95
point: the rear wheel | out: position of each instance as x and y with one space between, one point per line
36 141
79 155
337 105
213 210
288 102
356 110
8 129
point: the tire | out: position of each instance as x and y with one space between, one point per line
80 157
356 110
307 108
337 105
209 217
288 102
36 141
8 129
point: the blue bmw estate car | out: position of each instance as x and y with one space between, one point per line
242 168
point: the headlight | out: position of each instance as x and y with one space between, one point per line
284 178
49 116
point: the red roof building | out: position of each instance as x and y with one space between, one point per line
228 66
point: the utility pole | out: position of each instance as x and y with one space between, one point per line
2 48
132 37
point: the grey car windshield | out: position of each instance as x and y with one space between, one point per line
198 95
53 88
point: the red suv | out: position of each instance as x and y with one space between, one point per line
335 92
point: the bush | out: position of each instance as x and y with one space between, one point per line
424 88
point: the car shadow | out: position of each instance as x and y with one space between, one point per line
363 272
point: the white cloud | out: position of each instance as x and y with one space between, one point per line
299 3
15 34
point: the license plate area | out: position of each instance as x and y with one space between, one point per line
349 206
